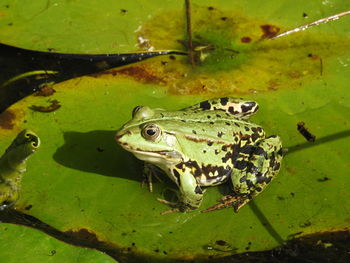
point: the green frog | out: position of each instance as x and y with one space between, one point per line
203 145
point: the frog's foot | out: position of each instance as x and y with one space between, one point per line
227 201
175 206
149 171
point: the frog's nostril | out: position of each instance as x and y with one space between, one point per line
119 135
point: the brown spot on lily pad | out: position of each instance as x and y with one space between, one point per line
142 73
269 31
246 39
7 119
83 234
226 63
45 91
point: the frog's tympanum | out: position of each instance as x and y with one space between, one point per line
13 165
205 145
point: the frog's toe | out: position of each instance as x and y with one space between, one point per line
170 211
171 204
225 202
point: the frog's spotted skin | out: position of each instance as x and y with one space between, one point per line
205 145
240 108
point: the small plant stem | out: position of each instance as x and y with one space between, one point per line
189 31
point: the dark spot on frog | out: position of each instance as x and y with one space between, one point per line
223 101
177 175
281 198
198 190
10 24
204 105
224 148
231 110
269 31
183 120
165 253
277 166
194 132
123 11
156 250
210 143
208 116
172 57
7 119
217 151
243 179
211 122
224 18
246 128
211 8
164 63
305 15
246 39
218 115
204 151
237 124
306 224
28 207
240 164
227 123
292 194
247 106
323 179
255 136
220 134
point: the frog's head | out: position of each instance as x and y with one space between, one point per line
145 137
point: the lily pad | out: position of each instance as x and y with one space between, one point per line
46 249
81 181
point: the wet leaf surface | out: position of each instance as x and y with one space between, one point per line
46 249
80 181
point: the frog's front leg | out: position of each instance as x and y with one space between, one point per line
255 169
191 194
149 171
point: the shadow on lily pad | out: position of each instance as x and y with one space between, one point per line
97 152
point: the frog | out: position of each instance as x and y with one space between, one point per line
203 145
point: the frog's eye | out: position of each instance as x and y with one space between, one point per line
135 110
151 132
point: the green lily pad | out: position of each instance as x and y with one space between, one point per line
46 249
80 180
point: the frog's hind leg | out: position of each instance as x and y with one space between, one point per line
253 170
257 167
238 107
